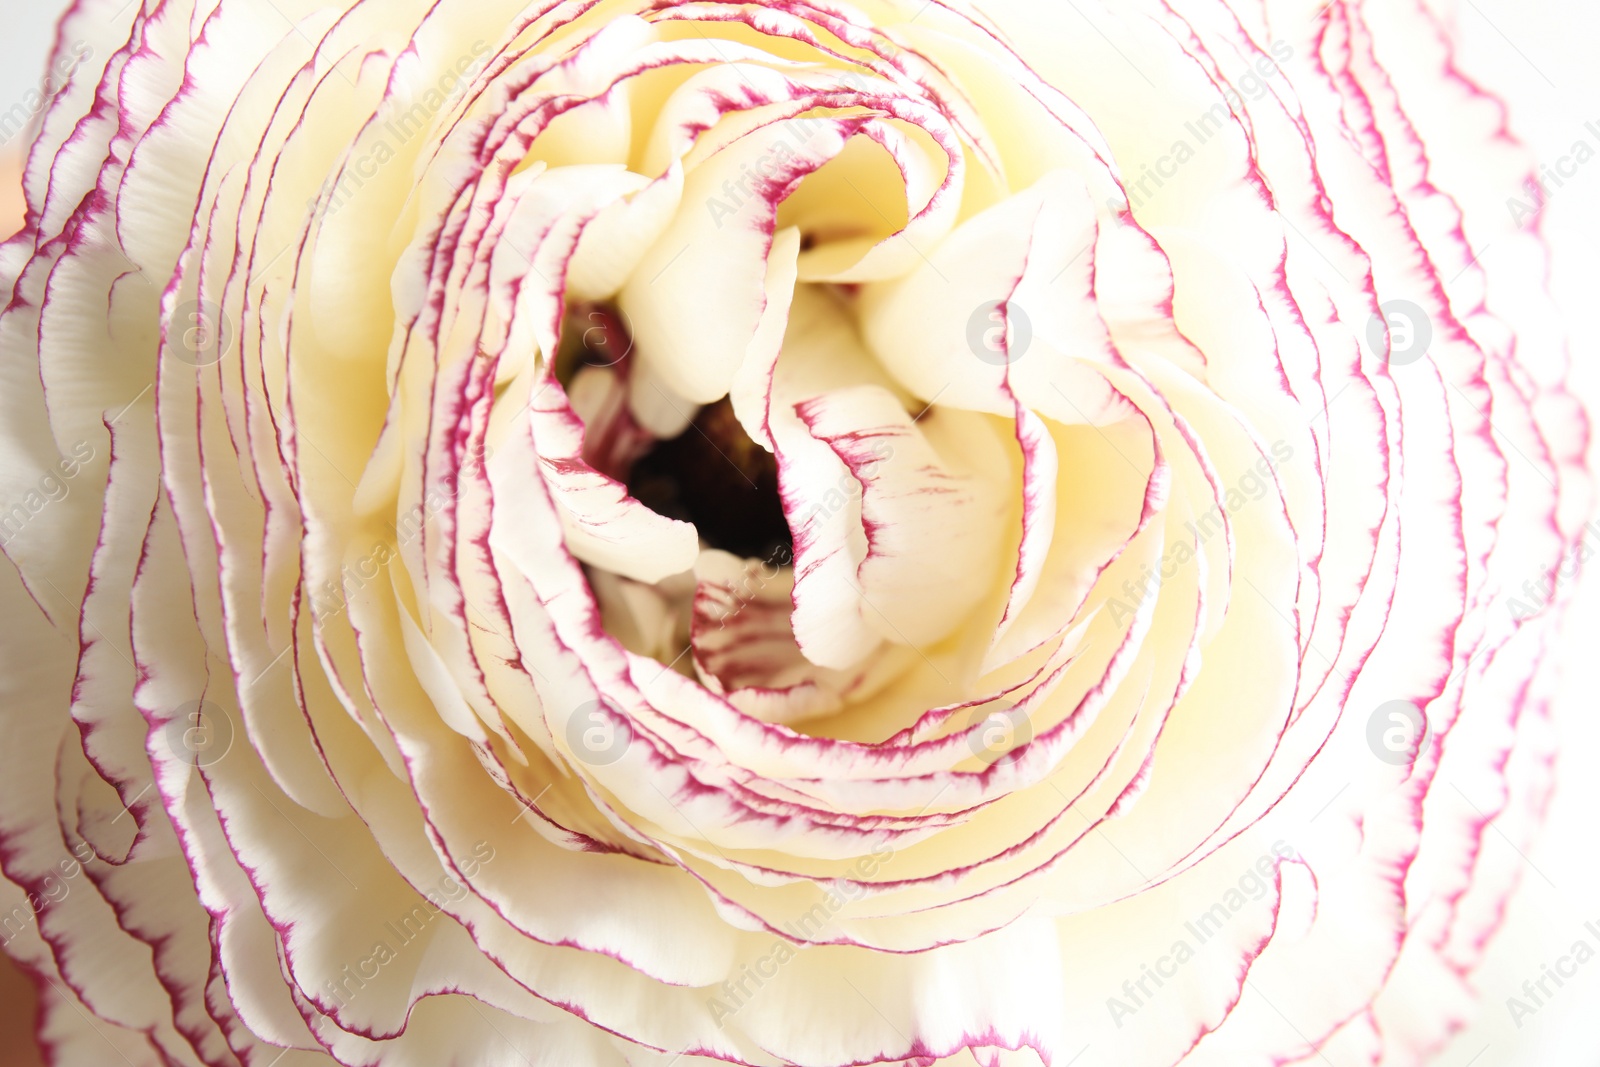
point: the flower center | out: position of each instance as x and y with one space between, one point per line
716 477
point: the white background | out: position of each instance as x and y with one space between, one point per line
1539 56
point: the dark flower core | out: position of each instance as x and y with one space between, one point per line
716 477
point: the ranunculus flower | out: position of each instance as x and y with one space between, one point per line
789 533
